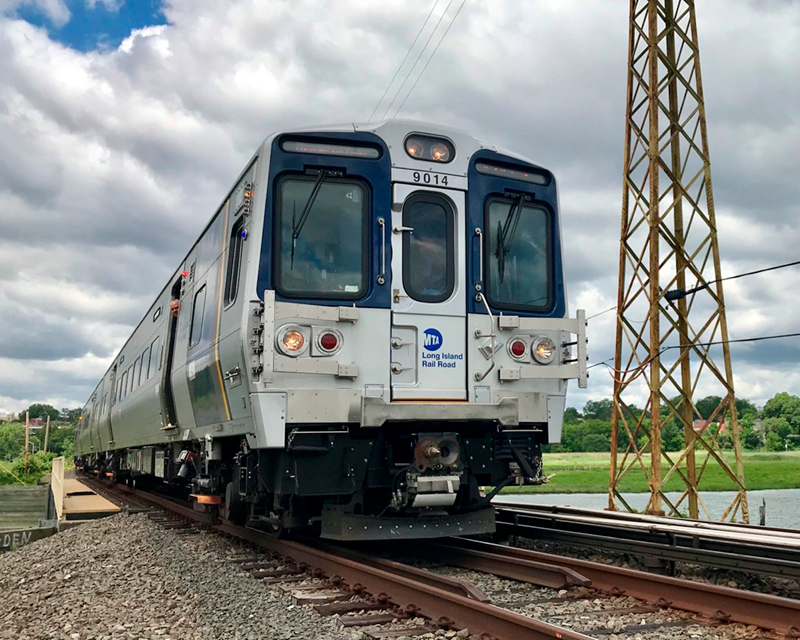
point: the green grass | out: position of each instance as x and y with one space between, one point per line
589 473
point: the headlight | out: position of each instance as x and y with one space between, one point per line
543 350
291 341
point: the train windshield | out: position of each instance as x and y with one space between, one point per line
320 237
518 255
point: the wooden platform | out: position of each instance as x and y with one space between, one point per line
81 503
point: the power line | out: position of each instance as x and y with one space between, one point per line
414 66
408 95
676 294
694 344
408 53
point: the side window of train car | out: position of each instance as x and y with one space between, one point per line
137 365
124 385
321 237
234 261
197 316
429 250
152 363
143 371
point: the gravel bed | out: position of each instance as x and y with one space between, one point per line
125 577
785 587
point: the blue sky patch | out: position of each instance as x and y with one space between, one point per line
96 27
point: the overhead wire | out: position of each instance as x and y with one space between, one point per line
408 53
414 66
408 95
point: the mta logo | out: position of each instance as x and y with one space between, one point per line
433 340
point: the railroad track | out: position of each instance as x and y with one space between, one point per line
365 589
757 550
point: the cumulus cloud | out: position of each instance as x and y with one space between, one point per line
112 161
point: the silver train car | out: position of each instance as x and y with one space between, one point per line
371 329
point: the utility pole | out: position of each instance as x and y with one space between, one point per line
668 240
46 433
27 437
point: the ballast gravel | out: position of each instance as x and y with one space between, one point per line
126 577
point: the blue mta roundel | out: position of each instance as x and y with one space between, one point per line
433 340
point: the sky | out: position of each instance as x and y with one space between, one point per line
122 124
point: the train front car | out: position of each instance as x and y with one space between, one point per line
412 345
372 329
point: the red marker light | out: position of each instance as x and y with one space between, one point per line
518 348
328 341
185 274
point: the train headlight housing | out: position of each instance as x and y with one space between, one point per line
291 340
430 148
543 350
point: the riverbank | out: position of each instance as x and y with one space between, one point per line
588 473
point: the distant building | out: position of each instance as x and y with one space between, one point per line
37 423
7 418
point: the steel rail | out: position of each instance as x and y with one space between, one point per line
722 604
653 541
400 589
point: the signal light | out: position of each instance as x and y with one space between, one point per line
293 340
329 341
517 348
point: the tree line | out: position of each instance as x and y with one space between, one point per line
60 442
775 427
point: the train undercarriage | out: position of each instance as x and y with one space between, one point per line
344 483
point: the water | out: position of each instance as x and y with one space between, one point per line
783 505
22 506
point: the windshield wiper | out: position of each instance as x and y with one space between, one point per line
297 226
505 235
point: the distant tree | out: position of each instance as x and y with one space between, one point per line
773 442
672 438
706 407
571 414
12 441
596 442
751 439
744 407
60 437
598 409
42 411
784 405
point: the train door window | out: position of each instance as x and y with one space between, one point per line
197 316
429 250
518 255
153 364
145 366
321 237
124 391
234 261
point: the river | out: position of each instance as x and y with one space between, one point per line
783 505
22 506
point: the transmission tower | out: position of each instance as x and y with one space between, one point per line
664 351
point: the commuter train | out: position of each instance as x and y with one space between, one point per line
368 340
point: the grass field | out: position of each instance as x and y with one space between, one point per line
588 473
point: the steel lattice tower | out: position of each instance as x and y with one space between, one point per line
669 241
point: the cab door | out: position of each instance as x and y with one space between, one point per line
428 341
